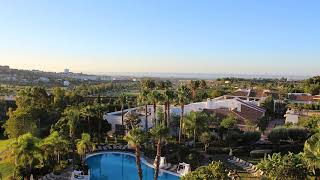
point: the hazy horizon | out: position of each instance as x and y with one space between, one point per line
182 75
207 37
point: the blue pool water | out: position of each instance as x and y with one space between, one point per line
121 166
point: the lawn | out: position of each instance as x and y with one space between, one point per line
6 168
4 144
6 165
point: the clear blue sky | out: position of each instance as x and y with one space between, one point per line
210 36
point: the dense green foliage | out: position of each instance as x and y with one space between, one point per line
84 145
312 153
214 170
27 154
52 124
289 166
229 122
311 123
283 133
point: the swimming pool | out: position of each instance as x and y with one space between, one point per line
121 166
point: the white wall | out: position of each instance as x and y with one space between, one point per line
292 118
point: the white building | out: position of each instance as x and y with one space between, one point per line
44 79
292 117
245 110
115 118
66 83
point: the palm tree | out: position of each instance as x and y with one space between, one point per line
72 115
159 133
169 95
194 122
131 120
99 109
148 84
194 85
203 84
87 112
84 145
26 151
136 137
143 99
53 146
311 153
122 100
155 97
183 97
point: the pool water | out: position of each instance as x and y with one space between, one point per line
121 166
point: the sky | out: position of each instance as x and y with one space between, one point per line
180 36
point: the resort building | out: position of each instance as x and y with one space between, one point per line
243 110
303 98
255 96
293 116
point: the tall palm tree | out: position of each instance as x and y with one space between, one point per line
122 100
53 146
148 84
169 95
136 137
131 120
311 153
203 84
194 122
84 145
183 97
99 109
87 112
72 115
159 133
155 97
26 151
194 85
143 99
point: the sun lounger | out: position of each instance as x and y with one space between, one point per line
125 147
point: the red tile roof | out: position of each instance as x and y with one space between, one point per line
300 97
247 111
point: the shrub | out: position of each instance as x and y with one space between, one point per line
290 166
250 137
277 134
228 122
260 153
218 150
232 138
297 134
194 159
215 170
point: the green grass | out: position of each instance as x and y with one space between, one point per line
4 144
6 166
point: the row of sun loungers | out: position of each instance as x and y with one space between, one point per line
249 167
